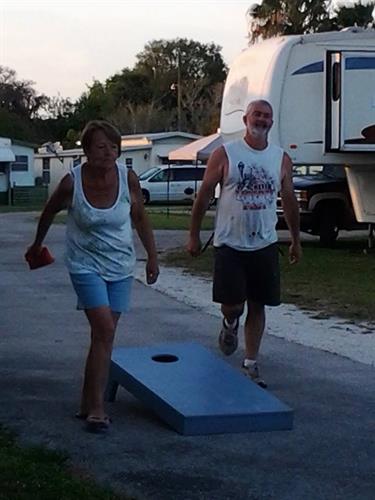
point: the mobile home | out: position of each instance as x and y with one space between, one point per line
16 166
322 90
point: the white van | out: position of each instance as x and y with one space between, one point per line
171 183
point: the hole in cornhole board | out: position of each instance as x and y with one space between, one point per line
165 358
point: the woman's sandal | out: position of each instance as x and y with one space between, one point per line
97 425
81 416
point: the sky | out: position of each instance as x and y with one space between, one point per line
63 45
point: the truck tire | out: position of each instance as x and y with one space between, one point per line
328 226
146 196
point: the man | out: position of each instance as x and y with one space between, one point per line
251 172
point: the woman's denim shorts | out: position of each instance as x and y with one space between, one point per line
93 291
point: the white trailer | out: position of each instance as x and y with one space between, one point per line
322 90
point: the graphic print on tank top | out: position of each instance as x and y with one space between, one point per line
256 189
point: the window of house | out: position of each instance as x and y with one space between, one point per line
21 164
129 162
46 171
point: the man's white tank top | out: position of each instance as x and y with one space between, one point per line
246 213
100 240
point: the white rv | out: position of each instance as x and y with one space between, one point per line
322 89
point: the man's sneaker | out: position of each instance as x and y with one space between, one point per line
253 372
228 339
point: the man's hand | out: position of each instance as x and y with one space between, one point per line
194 246
295 253
152 271
216 169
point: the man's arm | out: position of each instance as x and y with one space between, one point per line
291 209
143 227
59 200
215 170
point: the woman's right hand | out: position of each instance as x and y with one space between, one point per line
33 251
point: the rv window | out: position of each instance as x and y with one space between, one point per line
336 82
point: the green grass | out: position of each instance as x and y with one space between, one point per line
4 209
40 474
176 221
338 281
163 220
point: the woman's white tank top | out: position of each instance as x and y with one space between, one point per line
100 240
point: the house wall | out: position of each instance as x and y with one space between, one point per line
3 182
21 173
140 159
58 168
163 147
23 178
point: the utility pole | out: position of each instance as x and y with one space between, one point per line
178 88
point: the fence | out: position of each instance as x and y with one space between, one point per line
29 196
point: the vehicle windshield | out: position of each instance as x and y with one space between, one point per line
331 171
147 173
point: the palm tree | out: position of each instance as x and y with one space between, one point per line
282 17
356 15
265 20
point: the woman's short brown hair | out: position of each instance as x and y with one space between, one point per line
108 130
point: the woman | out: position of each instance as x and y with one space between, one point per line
103 198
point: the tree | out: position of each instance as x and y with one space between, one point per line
129 86
287 17
355 15
133 119
174 83
18 96
20 105
131 93
182 72
94 104
58 107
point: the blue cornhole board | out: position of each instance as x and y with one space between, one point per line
194 391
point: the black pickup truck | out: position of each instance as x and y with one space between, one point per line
325 203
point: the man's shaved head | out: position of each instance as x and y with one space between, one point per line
262 102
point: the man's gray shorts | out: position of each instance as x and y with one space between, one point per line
247 275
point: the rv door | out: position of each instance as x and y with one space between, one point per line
350 101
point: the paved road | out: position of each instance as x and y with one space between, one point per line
43 341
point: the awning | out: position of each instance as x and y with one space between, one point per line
6 154
197 150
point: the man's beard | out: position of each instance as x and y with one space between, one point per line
259 132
